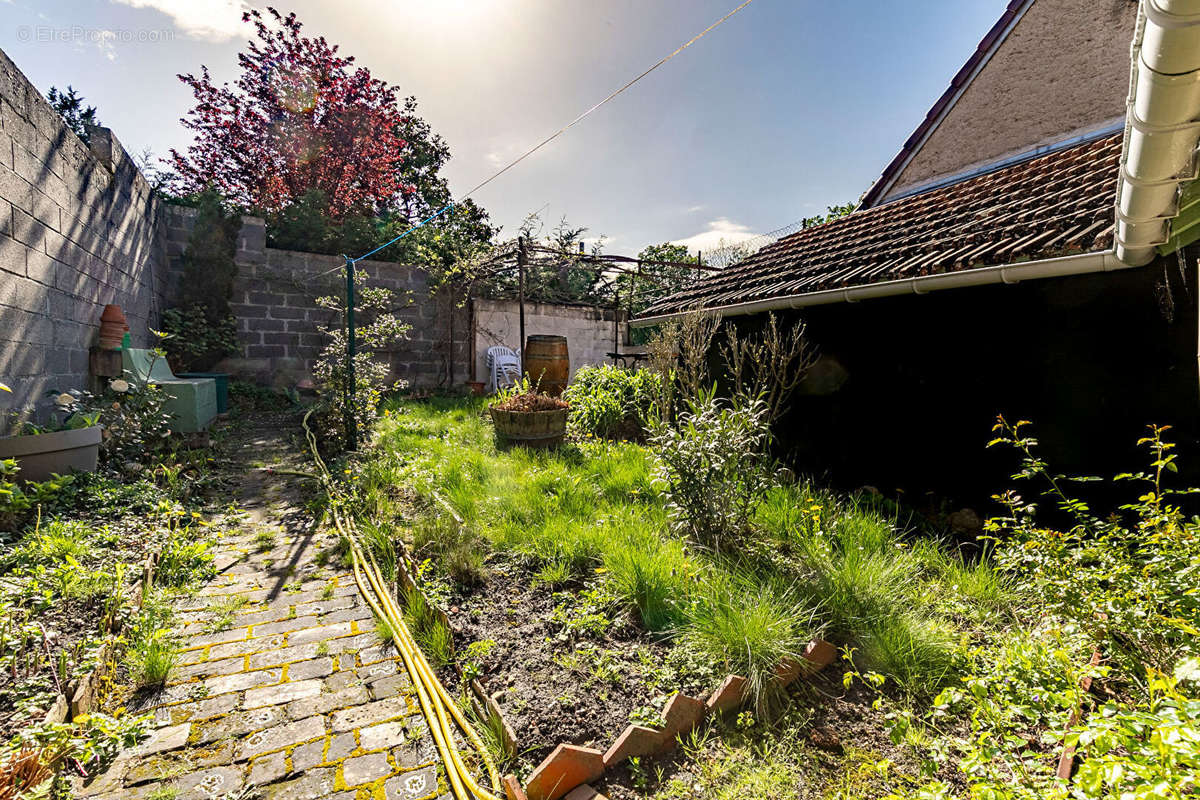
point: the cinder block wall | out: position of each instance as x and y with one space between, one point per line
589 330
79 228
279 321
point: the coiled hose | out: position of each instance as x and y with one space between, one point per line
441 713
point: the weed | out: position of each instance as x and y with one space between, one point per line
552 574
265 540
327 592
383 629
224 612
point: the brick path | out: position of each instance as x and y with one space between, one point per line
298 698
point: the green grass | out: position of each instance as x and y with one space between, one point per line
151 655
264 540
821 564
224 612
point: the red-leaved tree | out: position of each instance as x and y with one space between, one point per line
299 118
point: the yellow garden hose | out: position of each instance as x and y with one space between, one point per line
439 709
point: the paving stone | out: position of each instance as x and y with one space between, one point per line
340 746
243 680
320 633
239 724
347 615
220 637
214 755
282 693
255 645
281 736
377 652
316 668
365 769
285 625
309 755
385 734
415 752
196 710
342 680
314 785
209 784
370 713
390 686
207 669
164 739
411 785
268 768
151 768
329 701
325 606
378 670
284 655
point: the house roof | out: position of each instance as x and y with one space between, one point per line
1057 204
942 105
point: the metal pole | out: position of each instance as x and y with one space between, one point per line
350 419
521 296
616 322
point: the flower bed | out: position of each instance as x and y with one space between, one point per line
581 604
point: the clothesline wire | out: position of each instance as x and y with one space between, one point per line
547 140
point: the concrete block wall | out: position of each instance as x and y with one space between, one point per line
79 228
279 321
589 330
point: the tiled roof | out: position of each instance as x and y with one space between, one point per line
1057 204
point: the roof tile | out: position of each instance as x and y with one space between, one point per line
1056 204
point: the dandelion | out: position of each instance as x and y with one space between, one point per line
120 386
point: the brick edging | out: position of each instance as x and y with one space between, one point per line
569 766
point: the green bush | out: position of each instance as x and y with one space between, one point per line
714 468
611 402
194 342
1128 576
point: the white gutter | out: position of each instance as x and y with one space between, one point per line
1080 264
1162 126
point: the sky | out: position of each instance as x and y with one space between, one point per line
790 106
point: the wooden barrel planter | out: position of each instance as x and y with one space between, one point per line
540 430
547 363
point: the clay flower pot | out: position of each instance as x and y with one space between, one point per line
112 327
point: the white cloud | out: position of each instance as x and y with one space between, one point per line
721 232
208 20
105 42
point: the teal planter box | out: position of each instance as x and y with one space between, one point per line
193 401
222 380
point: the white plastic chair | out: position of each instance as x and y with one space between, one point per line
503 365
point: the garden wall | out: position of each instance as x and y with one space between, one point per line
79 228
589 330
279 321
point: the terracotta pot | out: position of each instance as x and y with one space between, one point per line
536 429
477 387
59 452
547 363
112 327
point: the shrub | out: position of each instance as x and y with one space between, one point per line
611 402
376 328
195 342
714 468
1128 577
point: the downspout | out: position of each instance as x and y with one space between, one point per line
1162 126
1080 264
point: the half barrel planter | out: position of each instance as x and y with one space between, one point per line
534 429
41 455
